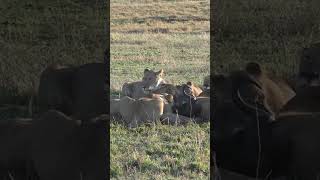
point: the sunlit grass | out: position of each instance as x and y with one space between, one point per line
169 35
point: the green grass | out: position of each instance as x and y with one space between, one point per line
160 151
174 36
34 34
270 32
182 56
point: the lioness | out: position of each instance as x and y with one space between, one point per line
192 89
88 91
137 111
185 98
55 89
150 81
276 91
73 90
250 90
167 100
77 148
29 146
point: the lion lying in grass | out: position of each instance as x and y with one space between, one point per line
150 81
134 112
147 101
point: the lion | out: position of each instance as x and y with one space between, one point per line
192 89
251 88
77 147
88 91
150 81
29 146
54 91
135 112
201 112
276 90
78 91
185 98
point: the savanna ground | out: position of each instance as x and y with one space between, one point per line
34 34
270 32
155 34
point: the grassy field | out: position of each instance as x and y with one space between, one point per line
35 33
155 34
270 32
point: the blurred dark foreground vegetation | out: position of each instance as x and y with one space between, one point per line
36 33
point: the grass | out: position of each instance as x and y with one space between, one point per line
160 152
155 34
270 32
164 16
34 34
182 56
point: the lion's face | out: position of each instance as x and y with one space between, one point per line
151 80
184 99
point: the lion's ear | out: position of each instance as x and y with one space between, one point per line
189 83
146 70
160 73
254 68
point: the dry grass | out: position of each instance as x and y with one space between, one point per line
160 16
